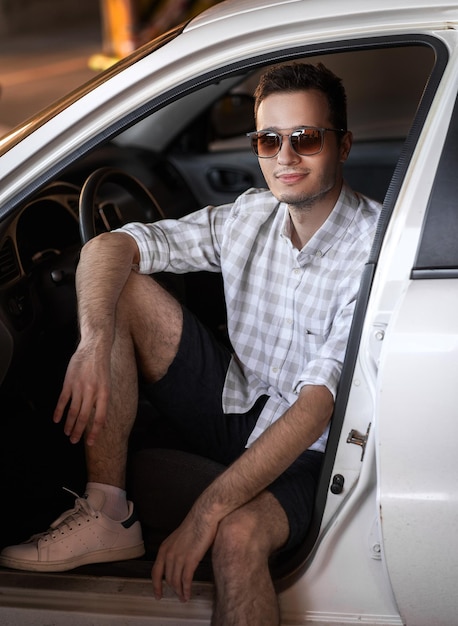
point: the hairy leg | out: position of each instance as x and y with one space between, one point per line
245 594
147 336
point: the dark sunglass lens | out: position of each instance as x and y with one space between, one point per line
306 141
268 144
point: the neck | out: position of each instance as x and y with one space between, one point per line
307 219
306 223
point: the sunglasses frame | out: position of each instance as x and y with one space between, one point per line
255 135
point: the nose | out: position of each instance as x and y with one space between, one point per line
287 154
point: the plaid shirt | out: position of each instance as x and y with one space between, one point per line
289 311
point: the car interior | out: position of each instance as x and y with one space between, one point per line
188 154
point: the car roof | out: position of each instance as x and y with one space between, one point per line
334 11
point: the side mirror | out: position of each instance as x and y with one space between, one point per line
233 116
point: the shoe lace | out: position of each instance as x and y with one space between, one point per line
82 511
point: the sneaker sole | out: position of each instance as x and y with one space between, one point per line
102 556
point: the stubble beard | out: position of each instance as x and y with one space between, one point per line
305 202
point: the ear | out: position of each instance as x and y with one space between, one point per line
345 146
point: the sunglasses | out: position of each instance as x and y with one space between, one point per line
305 141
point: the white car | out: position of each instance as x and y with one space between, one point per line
383 546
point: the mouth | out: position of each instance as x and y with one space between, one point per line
291 178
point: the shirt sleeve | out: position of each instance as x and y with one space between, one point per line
326 366
191 243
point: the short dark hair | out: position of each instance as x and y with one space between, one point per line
302 77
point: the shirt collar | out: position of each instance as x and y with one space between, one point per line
333 229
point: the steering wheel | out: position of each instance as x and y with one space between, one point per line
89 195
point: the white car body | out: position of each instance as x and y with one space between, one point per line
387 549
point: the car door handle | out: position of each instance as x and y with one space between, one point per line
229 180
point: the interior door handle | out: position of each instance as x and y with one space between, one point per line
229 179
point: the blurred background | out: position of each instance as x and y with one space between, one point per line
49 47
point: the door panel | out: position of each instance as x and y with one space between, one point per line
218 178
417 435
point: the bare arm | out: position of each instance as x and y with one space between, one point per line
260 465
272 453
105 265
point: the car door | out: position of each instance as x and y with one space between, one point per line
412 336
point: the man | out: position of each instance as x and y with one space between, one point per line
291 260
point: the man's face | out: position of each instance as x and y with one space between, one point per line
302 181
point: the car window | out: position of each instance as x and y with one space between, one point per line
438 251
384 87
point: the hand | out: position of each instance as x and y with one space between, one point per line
181 553
86 392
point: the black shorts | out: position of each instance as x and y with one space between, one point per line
190 398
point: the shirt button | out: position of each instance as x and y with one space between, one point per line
289 321
275 370
318 253
297 271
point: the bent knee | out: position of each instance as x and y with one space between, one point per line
239 540
142 293
253 531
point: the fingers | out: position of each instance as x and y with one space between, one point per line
157 574
61 405
86 401
172 569
180 578
99 418
186 581
177 570
78 416
181 553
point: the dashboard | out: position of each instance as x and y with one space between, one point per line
41 242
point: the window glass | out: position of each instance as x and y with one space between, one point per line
438 251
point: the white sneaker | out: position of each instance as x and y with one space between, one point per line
79 536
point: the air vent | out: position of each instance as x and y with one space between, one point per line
9 268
